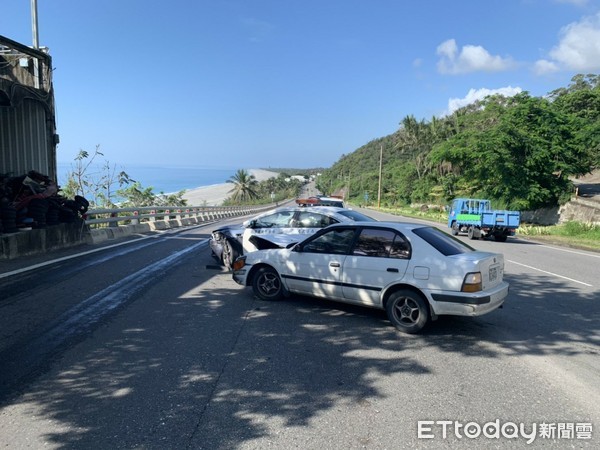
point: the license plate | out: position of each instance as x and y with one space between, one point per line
493 273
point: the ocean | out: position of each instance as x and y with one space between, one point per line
161 178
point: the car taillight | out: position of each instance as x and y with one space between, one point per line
239 263
472 282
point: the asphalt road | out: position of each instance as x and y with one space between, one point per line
149 345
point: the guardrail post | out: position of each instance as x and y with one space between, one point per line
135 221
113 224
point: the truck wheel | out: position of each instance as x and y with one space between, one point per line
471 233
454 230
500 237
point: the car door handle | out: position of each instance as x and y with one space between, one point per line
334 264
392 269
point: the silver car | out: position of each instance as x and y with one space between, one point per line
276 228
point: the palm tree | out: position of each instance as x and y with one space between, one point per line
244 186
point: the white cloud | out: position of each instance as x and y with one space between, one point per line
543 67
479 94
578 48
574 2
471 58
417 62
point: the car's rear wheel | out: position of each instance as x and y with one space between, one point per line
230 254
407 311
266 284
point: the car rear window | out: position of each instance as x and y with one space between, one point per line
355 215
442 242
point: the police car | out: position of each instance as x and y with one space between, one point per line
277 229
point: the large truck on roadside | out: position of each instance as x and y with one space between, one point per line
476 218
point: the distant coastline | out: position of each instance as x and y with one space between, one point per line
215 194
160 178
203 186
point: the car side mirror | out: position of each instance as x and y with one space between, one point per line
250 224
295 247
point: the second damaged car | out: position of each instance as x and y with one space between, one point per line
276 228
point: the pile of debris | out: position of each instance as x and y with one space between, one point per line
33 201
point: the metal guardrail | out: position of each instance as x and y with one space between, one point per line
98 218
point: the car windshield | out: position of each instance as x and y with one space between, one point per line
442 242
355 215
278 219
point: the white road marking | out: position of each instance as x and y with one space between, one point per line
66 258
550 273
158 233
592 255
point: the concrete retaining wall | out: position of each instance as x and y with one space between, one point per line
37 241
65 235
581 210
578 209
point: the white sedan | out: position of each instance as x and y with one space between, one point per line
413 272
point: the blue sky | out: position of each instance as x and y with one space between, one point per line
287 83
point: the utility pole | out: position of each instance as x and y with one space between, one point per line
34 25
36 43
348 192
380 170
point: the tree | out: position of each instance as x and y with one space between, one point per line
245 186
137 195
520 152
581 100
95 183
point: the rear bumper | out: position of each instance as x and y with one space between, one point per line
468 304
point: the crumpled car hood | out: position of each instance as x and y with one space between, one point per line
280 240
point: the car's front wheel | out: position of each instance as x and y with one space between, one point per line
230 254
407 311
266 284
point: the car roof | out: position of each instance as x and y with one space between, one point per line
403 226
322 209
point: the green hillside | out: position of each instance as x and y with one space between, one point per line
519 151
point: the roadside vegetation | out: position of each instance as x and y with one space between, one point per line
520 152
93 177
574 234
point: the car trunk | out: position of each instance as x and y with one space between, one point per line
491 266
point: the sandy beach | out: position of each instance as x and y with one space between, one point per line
215 195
